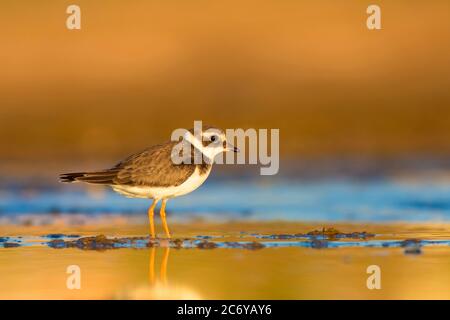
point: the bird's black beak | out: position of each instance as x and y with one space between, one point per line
230 147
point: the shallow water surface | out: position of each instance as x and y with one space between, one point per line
282 273
232 240
324 200
290 261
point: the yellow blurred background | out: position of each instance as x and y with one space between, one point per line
139 69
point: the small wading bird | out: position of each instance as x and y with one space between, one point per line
152 173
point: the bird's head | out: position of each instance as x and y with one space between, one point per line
210 142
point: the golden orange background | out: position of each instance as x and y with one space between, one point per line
139 69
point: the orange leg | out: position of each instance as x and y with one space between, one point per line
162 213
150 218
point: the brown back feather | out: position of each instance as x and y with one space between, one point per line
152 167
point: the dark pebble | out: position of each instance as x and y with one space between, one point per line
253 245
11 245
206 245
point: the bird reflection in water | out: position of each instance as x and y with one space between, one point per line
151 267
158 288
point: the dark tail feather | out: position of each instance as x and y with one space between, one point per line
70 177
102 177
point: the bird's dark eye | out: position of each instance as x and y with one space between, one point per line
213 138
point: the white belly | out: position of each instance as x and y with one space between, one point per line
192 183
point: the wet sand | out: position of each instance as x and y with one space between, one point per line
283 271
